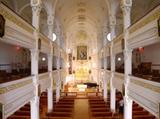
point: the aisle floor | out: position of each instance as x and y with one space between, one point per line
81 109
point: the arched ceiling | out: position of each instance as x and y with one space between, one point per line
82 20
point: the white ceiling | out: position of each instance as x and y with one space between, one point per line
83 22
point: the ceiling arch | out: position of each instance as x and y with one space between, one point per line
81 18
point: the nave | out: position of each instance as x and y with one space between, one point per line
73 59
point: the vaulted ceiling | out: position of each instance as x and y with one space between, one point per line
83 22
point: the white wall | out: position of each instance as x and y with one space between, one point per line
152 54
13 57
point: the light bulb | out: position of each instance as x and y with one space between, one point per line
43 59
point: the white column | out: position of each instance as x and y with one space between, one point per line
58 80
50 89
34 103
126 8
127 108
50 62
34 70
105 80
36 7
112 88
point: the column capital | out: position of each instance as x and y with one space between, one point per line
36 15
112 21
36 9
126 9
126 3
35 2
50 19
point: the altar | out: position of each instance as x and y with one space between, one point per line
81 87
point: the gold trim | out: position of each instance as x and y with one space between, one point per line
146 85
14 86
45 76
145 21
119 76
118 38
7 15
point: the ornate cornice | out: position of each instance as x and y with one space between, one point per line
145 21
118 39
119 76
43 76
9 15
14 86
146 85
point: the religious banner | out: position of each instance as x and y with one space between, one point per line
123 44
39 44
81 52
39 90
70 63
2 26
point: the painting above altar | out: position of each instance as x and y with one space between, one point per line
81 52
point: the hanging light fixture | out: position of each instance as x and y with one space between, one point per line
54 37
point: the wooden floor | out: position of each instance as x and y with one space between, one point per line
81 109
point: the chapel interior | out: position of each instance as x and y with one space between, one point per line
79 59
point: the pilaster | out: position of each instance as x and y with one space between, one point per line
36 8
112 56
105 91
58 80
50 21
126 8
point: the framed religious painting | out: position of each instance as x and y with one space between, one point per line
123 44
2 26
81 52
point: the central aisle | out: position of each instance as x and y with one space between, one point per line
81 109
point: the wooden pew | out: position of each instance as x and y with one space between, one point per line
19 117
140 113
101 114
59 114
63 110
143 117
20 112
57 118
